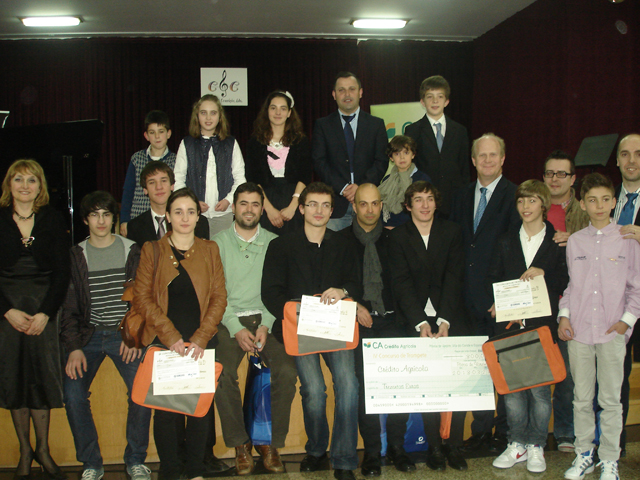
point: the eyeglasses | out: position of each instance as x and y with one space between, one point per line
315 205
559 174
105 215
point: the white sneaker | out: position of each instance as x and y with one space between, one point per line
609 470
139 472
582 465
535 458
92 474
515 453
566 447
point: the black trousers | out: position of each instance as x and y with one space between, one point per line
369 424
166 432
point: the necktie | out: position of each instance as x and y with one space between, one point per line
161 230
439 137
626 216
481 207
348 136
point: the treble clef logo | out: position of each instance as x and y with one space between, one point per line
223 86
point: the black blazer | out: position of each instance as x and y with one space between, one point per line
382 247
448 169
288 271
297 169
141 229
50 249
331 161
500 216
435 273
508 263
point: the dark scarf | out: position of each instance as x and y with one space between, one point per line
371 268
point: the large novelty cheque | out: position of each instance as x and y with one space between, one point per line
426 375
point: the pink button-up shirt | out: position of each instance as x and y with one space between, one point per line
604 283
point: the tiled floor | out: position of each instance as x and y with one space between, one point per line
479 469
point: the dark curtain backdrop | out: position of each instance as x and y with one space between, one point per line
118 80
555 73
392 71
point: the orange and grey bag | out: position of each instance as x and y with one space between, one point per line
297 345
194 404
524 359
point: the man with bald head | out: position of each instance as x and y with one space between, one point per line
484 209
626 213
376 319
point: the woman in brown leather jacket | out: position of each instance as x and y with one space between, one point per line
182 300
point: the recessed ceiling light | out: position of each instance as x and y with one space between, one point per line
51 21
379 23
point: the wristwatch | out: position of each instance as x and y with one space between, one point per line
346 294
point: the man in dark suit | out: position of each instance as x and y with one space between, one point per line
484 209
348 148
157 180
626 213
376 319
443 144
427 267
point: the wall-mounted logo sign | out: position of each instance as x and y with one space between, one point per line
228 84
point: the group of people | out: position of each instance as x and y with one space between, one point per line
218 243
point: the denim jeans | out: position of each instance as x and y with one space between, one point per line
78 406
563 401
337 224
528 415
314 407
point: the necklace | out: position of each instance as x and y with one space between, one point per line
27 241
277 145
174 246
20 217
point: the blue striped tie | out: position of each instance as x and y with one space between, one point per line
481 207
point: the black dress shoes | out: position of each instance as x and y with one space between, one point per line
343 475
454 457
312 464
213 466
498 443
476 442
436 459
400 459
371 465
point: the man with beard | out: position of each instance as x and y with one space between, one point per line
246 327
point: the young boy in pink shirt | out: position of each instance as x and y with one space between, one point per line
597 313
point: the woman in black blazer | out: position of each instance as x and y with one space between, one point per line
278 158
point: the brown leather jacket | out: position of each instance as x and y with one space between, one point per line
151 298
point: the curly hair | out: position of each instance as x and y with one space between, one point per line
292 129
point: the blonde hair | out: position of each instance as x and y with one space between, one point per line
25 166
537 189
222 129
492 136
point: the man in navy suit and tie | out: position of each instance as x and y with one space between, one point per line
484 209
348 148
443 144
626 213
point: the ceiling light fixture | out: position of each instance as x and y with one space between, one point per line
379 23
51 21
